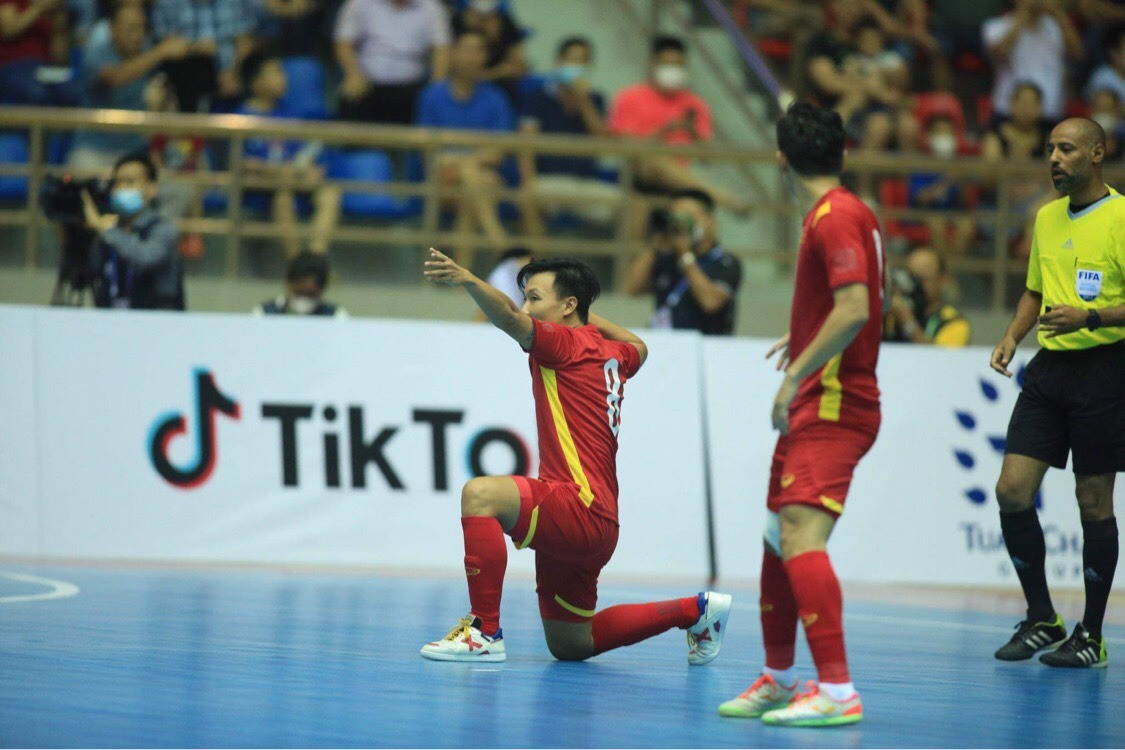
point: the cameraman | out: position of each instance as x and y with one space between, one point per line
135 257
694 281
918 312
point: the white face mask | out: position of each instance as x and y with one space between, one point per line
1107 120
303 305
943 145
670 77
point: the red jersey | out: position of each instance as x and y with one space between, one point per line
840 245
32 44
578 379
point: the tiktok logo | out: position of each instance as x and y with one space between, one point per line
208 401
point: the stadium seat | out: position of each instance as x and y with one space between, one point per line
13 150
305 95
370 166
894 193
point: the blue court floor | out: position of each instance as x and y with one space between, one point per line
208 658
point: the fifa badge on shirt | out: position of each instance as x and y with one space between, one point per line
1088 284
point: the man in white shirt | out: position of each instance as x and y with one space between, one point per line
1032 43
388 50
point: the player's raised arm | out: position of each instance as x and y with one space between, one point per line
614 332
495 305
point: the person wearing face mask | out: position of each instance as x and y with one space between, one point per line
665 109
919 313
693 280
938 192
306 278
134 257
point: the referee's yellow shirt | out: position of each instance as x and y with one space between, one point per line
1078 259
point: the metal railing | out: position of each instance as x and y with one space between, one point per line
430 144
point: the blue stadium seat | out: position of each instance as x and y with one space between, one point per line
370 166
13 150
305 95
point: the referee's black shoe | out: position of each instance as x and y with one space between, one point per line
1080 651
1031 637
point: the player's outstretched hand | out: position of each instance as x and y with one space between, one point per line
781 345
1002 355
441 269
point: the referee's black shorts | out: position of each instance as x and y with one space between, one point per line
1073 402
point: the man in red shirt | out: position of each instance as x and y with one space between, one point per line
579 366
827 411
34 36
664 109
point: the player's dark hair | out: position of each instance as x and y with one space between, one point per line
252 67
702 197
668 42
812 139
514 252
138 157
308 264
575 41
573 278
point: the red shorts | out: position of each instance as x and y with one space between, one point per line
571 543
814 466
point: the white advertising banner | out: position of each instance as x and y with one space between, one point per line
20 470
223 438
922 507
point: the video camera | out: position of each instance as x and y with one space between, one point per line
61 197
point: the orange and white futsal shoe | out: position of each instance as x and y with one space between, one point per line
813 708
466 643
764 695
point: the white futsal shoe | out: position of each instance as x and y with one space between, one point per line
466 643
705 637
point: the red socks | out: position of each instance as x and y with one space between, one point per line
821 607
486 559
626 624
778 613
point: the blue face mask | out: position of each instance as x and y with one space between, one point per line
127 201
567 74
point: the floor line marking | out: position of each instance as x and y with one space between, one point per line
59 589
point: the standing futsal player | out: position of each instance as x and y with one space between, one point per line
579 366
827 411
1073 398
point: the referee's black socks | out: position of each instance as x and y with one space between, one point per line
1024 538
1099 561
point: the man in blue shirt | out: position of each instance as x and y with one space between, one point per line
465 102
115 72
566 105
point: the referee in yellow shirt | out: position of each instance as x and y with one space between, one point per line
1073 399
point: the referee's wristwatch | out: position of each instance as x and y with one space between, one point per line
1093 320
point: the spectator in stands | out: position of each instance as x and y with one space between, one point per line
873 127
1105 110
920 312
135 256
306 278
466 102
937 191
856 95
1032 43
665 109
115 74
1111 75
1102 21
34 48
388 50
903 21
289 164
1022 135
695 282
506 64
220 33
296 28
566 104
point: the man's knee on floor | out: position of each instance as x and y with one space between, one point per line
567 650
